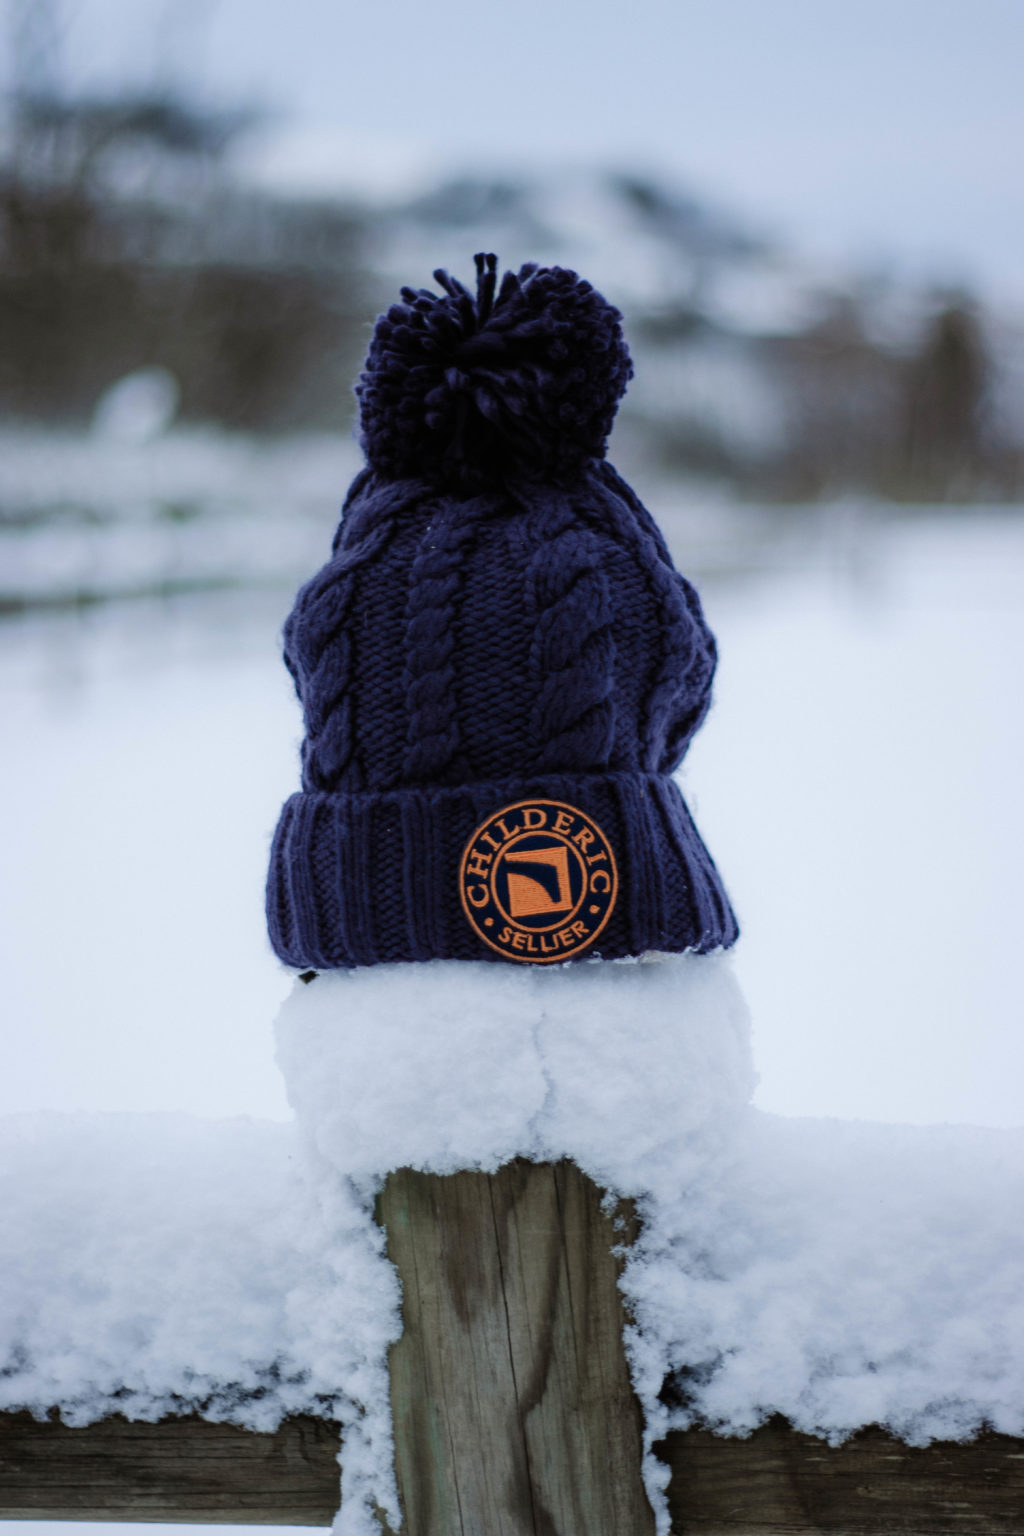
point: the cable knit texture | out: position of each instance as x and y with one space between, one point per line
500 620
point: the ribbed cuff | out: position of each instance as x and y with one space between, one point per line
365 878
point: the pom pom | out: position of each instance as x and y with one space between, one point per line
519 379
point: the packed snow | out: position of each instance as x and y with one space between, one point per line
840 1273
163 1264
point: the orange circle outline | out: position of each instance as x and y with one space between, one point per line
523 959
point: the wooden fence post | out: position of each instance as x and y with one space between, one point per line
513 1409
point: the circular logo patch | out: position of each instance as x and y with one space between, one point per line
538 881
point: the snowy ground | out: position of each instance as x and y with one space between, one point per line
857 783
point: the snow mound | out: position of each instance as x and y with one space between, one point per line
640 1070
841 1273
157 1264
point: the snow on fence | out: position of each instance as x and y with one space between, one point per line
513 1410
222 1286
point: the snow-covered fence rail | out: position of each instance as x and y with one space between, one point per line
513 1410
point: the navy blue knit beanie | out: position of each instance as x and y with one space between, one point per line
499 666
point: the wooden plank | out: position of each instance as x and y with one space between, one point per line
514 1413
776 1483
782 1483
183 1470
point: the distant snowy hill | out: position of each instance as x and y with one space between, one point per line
752 364
152 248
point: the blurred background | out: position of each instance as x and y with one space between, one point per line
812 217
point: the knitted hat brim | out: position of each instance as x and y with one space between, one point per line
360 879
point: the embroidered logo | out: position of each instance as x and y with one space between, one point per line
538 881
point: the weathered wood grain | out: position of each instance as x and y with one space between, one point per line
514 1412
183 1469
776 1483
782 1483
